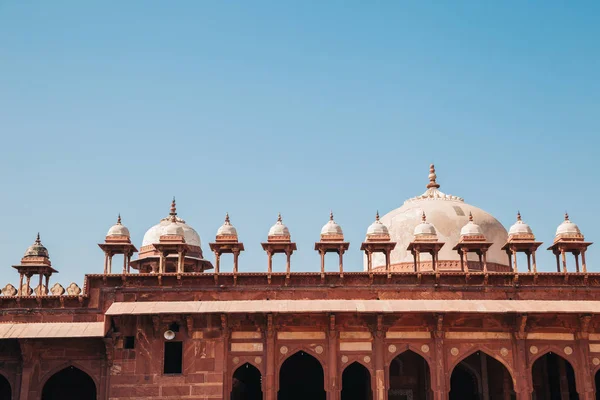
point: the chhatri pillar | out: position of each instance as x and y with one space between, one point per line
472 240
117 241
378 241
332 241
425 240
521 240
279 240
36 261
569 239
226 241
172 242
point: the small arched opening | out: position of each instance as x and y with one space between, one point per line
301 377
597 384
5 390
246 383
69 384
480 377
409 377
356 383
553 378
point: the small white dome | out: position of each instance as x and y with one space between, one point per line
567 227
520 227
425 228
118 229
377 227
331 227
227 229
471 228
279 229
37 249
153 234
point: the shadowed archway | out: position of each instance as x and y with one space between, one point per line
480 377
301 377
409 377
597 383
69 384
356 383
5 391
246 383
553 378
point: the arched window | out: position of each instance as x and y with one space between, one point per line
552 377
356 383
246 383
301 377
69 384
480 376
409 377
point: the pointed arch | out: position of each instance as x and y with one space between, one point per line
70 383
409 372
487 352
5 389
356 382
301 376
553 374
65 365
478 374
246 383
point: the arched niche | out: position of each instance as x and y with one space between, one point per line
409 376
5 390
356 382
70 383
480 376
301 377
246 383
553 377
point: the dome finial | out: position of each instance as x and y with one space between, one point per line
423 217
37 239
377 216
119 219
227 219
279 217
173 212
470 216
331 215
432 177
566 216
518 215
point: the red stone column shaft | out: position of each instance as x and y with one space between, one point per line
270 384
380 386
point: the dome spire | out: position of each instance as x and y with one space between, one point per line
566 216
423 217
119 219
331 215
37 239
279 218
470 216
432 177
173 212
377 216
518 215
227 222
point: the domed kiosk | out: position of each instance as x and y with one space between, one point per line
449 214
171 239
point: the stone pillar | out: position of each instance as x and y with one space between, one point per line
125 262
269 265
523 380
583 266
341 254
217 264
110 256
105 263
564 260
515 268
334 387
322 254
439 387
380 392
584 378
270 387
20 292
288 263
29 357
534 263
485 385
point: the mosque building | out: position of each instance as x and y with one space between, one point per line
450 305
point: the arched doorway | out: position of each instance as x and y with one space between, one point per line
69 384
301 377
597 382
5 391
553 378
480 377
246 383
409 377
356 383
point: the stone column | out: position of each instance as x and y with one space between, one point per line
110 263
440 390
269 265
583 266
485 386
269 387
341 254
322 254
30 359
334 387
288 263
105 263
523 386
379 354
534 263
564 260
584 378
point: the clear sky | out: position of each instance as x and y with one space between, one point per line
256 107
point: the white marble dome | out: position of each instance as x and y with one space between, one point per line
449 214
567 227
520 227
279 229
331 227
377 227
118 229
153 234
471 228
173 229
227 229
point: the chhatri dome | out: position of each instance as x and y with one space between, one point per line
331 228
37 249
520 228
425 228
449 215
152 235
279 229
377 228
568 229
118 229
227 229
471 228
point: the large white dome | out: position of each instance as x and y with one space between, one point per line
153 234
449 214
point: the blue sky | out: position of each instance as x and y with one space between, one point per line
299 107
